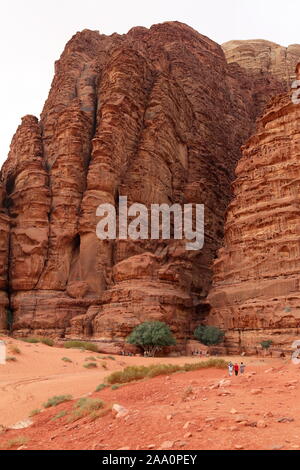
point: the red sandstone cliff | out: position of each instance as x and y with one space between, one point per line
156 115
264 57
256 288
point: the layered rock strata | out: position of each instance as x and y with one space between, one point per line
256 291
156 115
262 56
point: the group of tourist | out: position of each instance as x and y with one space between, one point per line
236 368
200 353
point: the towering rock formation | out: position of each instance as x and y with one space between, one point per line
256 290
156 115
264 57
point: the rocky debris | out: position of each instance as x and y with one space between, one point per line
166 445
240 418
233 411
255 285
256 391
238 447
187 425
22 424
119 411
261 424
285 420
181 443
156 115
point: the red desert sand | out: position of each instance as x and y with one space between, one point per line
188 410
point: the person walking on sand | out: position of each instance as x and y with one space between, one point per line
236 368
230 368
242 368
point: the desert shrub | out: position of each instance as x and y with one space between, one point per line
91 358
56 400
47 341
86 407
210 363
17 442
104 365
209 335
151 336
15 350
90 365
11 358
100 387
59 415
66 359
111 357
34 412
132 373
266 344
30 340
39 339
89 404
162 369
81 345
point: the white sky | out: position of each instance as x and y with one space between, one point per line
33 34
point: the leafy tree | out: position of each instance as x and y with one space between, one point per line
9 319
266 344
151 336
209 335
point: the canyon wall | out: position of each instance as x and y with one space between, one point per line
256 291
262 56
156 115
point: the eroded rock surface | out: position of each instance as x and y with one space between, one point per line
256 288
156 115
263 56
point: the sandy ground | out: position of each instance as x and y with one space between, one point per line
40 373
260 410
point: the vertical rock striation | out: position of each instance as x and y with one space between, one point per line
256 291
156 115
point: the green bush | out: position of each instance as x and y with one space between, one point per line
100 387
89 404
17 442
66 359
209 335
132 373
47 341
81 345
59 415
266 344
151 336
90 365
56 400
34 412
39 339
30 340
86 407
